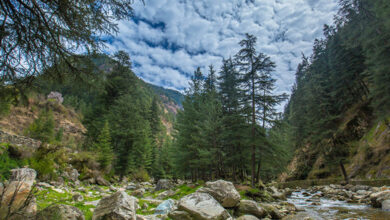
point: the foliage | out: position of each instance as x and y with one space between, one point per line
7 163
42 128
104 148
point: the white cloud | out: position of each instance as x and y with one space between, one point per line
168 39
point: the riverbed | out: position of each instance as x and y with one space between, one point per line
315 207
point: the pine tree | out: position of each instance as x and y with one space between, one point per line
104 148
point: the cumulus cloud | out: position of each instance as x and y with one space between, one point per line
168 39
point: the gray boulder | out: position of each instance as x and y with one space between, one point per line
118 206
378 197
165 207
252 208
223 191
202 206
386 205
60 212
164 184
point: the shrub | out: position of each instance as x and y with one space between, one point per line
42 128
141 175
7 163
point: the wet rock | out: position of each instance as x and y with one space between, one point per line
251 207
164 184
179 215
223 191
60 212
247 217
386 205
202 206
379 197
165 207
118 206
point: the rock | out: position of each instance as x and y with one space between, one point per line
94 203
131 186
98 189
386 205
118 206
222 191
153 201
179 215
77 197
377 198
60 212
165 194
151 217
16 193
202 206
139 192
112 188
165 207
58 190
101 181
251 207
247 217
272 211
164 184
43 184
72 174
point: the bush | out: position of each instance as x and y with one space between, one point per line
7 163
42 128
141 175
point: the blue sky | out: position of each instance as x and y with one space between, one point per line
168 39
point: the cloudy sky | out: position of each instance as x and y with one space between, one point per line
168 39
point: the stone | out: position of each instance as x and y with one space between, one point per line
131 186
55 96
271 210
72 174
378 197
77 197
153 201
179 215
164 184
223 191
139 192
60 212
252 208
247 217
202 206
165 207
112 188
101 181
118 206
43 184
165 194
16 193
386 205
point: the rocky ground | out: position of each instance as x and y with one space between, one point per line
25 198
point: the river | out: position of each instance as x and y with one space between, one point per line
314 207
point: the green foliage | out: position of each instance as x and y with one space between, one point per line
43 127
141 175
7 163
104 148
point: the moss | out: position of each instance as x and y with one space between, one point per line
148 211
183 190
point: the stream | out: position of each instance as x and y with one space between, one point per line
316 207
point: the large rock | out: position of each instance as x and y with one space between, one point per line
247 217
272 211
118 206
223 191
164 184
60 212
386 205
378 197
165 207
202 206
16 194
252 208
179 215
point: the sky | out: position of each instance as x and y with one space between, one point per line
168 39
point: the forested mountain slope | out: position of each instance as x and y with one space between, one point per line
338 113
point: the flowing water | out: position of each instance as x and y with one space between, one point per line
324 208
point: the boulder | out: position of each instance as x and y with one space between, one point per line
71 174
202 206
165 194
378 197
16 193
164 184
165 207
118 206
252 208
386 205
60 212
272 211
179 215
247 217
139 192
77 197
101 181
223 191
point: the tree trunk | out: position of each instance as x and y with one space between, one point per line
253 133
344 172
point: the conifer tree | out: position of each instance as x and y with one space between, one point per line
104 148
